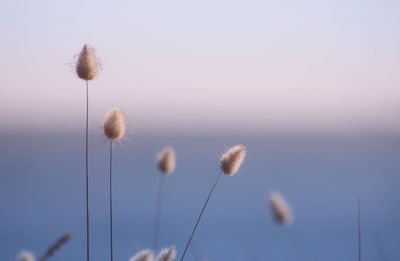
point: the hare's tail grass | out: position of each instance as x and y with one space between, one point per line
56 246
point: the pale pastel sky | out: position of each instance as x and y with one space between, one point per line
329 66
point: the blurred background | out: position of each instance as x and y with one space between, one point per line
311 88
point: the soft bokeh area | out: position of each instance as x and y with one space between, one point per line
42 196
310 87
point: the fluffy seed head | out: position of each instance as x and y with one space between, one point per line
167 254
166 160
280 208
52 249
144 255
87 64
25 256
114 124
232 159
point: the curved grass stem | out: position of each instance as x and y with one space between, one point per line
111 212
87 174
201 214
158 212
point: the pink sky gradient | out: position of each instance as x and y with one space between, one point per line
236 65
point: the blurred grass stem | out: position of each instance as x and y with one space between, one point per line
87 174
111 213
158 212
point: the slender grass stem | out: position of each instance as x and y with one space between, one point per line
201 214
359 229
158 212
87 173
111 213
379 245
247 249
195 253
297 245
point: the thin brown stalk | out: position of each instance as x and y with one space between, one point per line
201 214
158 213
56 246
114 128
297 245
359 229
195 251
379 245
87 173
250 254
111 213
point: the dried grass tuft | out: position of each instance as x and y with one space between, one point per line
167 254
232 159
280 208
144 255
114 124
56 246
166 161
25 256
87 66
